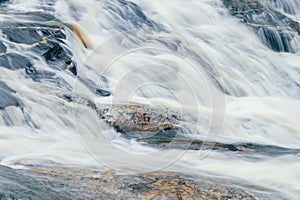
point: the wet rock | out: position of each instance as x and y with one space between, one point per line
22 35
93 86
7 99
57 56
128 14
275 29
90 184
48 77
45 39
34 32
80 100
3 1
38 16
15 185
3 86
140 120
2 48
10 106
14 61
103 93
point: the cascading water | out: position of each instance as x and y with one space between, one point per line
190 56
289 7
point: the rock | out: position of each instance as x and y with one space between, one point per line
103 93
3 86
2 47
14 61
88 184
7 99
274 28
48 77
58 56
10 106
15 185
4 1
80 100
129 15
45 39
22 35
140 120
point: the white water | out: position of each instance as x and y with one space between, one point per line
177 62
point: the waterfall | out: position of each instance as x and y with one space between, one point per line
231 81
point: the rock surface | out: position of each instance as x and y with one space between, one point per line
2 47
43 35
139 118
17 185
7 97
74 183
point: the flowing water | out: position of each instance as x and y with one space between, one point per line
190 56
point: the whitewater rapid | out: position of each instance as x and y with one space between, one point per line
192 56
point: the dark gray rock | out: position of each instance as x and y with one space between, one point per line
7 99
128 14
2 48
4 1
37 16
44 76
22 35
59 57
93 86
15 185
102 92
46 40
79 99
14 61
3 86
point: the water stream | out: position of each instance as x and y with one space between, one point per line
191 56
